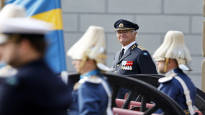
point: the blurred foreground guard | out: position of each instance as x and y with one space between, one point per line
91 94
34 89
9 11
172 58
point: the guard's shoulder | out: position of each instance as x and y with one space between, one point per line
91 79
94 79
166 78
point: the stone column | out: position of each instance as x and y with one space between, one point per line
203 52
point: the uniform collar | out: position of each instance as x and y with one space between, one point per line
89 74
128 46
170 72
168 76
176 70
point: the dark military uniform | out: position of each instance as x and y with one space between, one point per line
35 90
136 60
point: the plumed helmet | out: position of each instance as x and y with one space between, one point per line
91 45
174 47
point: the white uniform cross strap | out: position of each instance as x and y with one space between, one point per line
107 89
187 95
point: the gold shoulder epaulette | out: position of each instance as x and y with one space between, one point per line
140 47
133 46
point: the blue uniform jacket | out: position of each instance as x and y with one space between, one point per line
90 96
135 61
35 90
174 89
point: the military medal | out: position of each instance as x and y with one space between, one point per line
127 65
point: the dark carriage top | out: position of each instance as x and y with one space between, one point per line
162 101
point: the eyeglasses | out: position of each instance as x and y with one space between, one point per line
124 31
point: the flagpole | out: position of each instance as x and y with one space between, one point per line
2 3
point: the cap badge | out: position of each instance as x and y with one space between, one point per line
121 25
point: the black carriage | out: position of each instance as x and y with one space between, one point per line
151 99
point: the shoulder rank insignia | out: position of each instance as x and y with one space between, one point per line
140 47
133 46
166 78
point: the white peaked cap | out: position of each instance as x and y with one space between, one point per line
24 26
174 47
10 11
91 44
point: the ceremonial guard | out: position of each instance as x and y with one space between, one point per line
91 94
172 58
133 58
34 89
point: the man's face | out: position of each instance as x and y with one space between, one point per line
10 53
126 36
84 66
160 66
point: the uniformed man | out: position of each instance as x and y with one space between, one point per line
91 95
8 11
132 58
34 89
172 58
